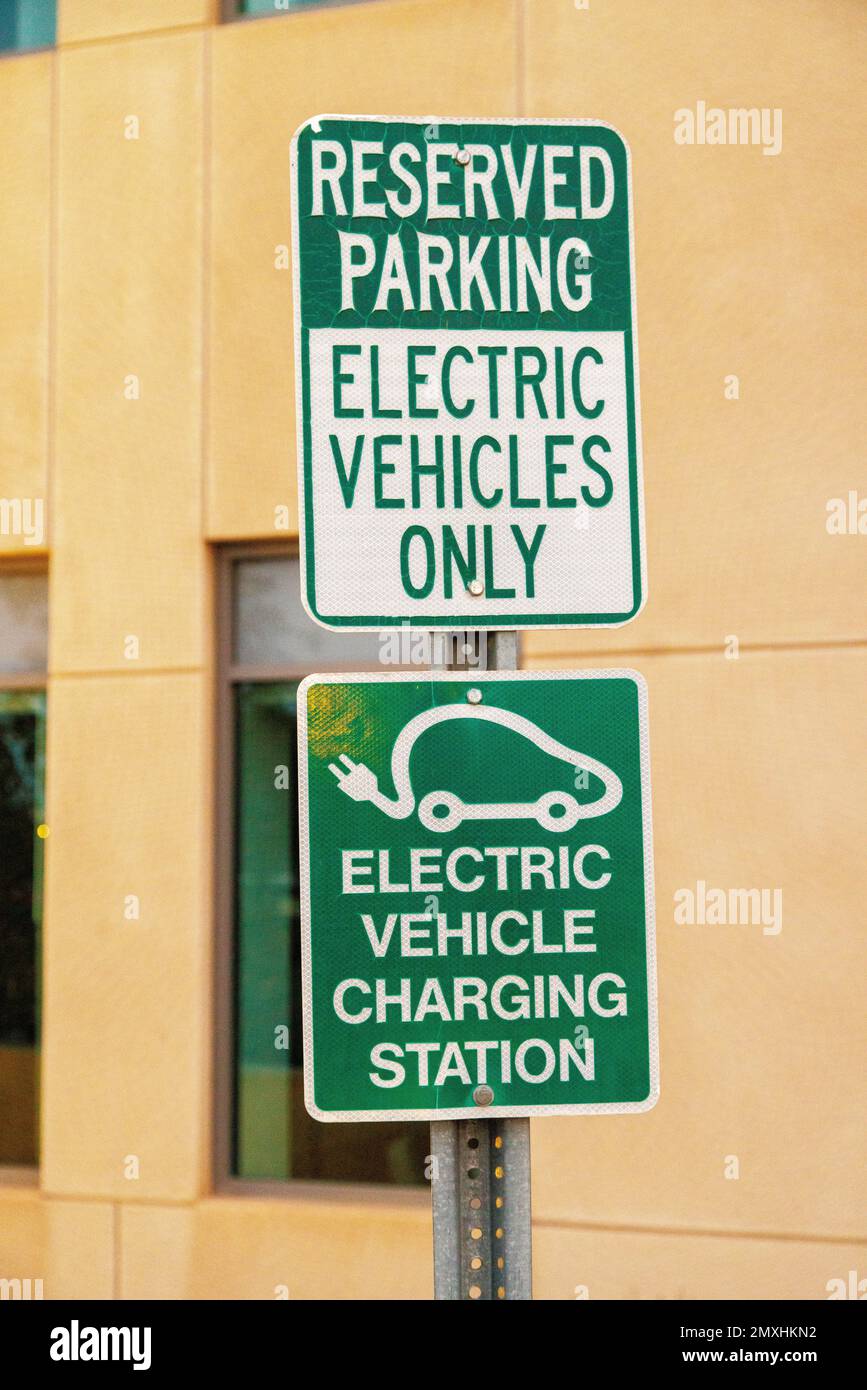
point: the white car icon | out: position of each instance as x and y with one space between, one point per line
442 810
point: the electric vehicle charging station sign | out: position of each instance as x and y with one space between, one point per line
467 373
477 895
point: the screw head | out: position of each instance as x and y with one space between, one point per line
474 696
463 157
476 588
483 1095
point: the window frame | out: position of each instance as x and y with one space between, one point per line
228 675
25 1174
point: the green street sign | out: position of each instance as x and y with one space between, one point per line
477 895
469 447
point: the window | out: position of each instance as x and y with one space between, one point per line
266 6
256 9
270 646
23 643
27 24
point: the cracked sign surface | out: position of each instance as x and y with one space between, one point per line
466 369
476 894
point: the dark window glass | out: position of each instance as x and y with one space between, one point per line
271 628
27 24
22 753
274 1137
268 1014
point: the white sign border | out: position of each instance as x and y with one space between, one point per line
475 621
497 1112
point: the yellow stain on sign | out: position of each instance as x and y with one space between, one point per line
336 723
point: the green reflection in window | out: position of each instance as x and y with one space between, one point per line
274 1135
22 765
273 6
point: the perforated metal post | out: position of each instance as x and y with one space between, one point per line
480 1177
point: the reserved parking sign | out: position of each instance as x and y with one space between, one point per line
467 381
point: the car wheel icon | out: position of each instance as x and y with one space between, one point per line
441 811
557 811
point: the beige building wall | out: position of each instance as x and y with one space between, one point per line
146 374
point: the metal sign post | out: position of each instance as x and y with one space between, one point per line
480 1181
481 1209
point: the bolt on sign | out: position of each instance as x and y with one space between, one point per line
477 895
467 381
